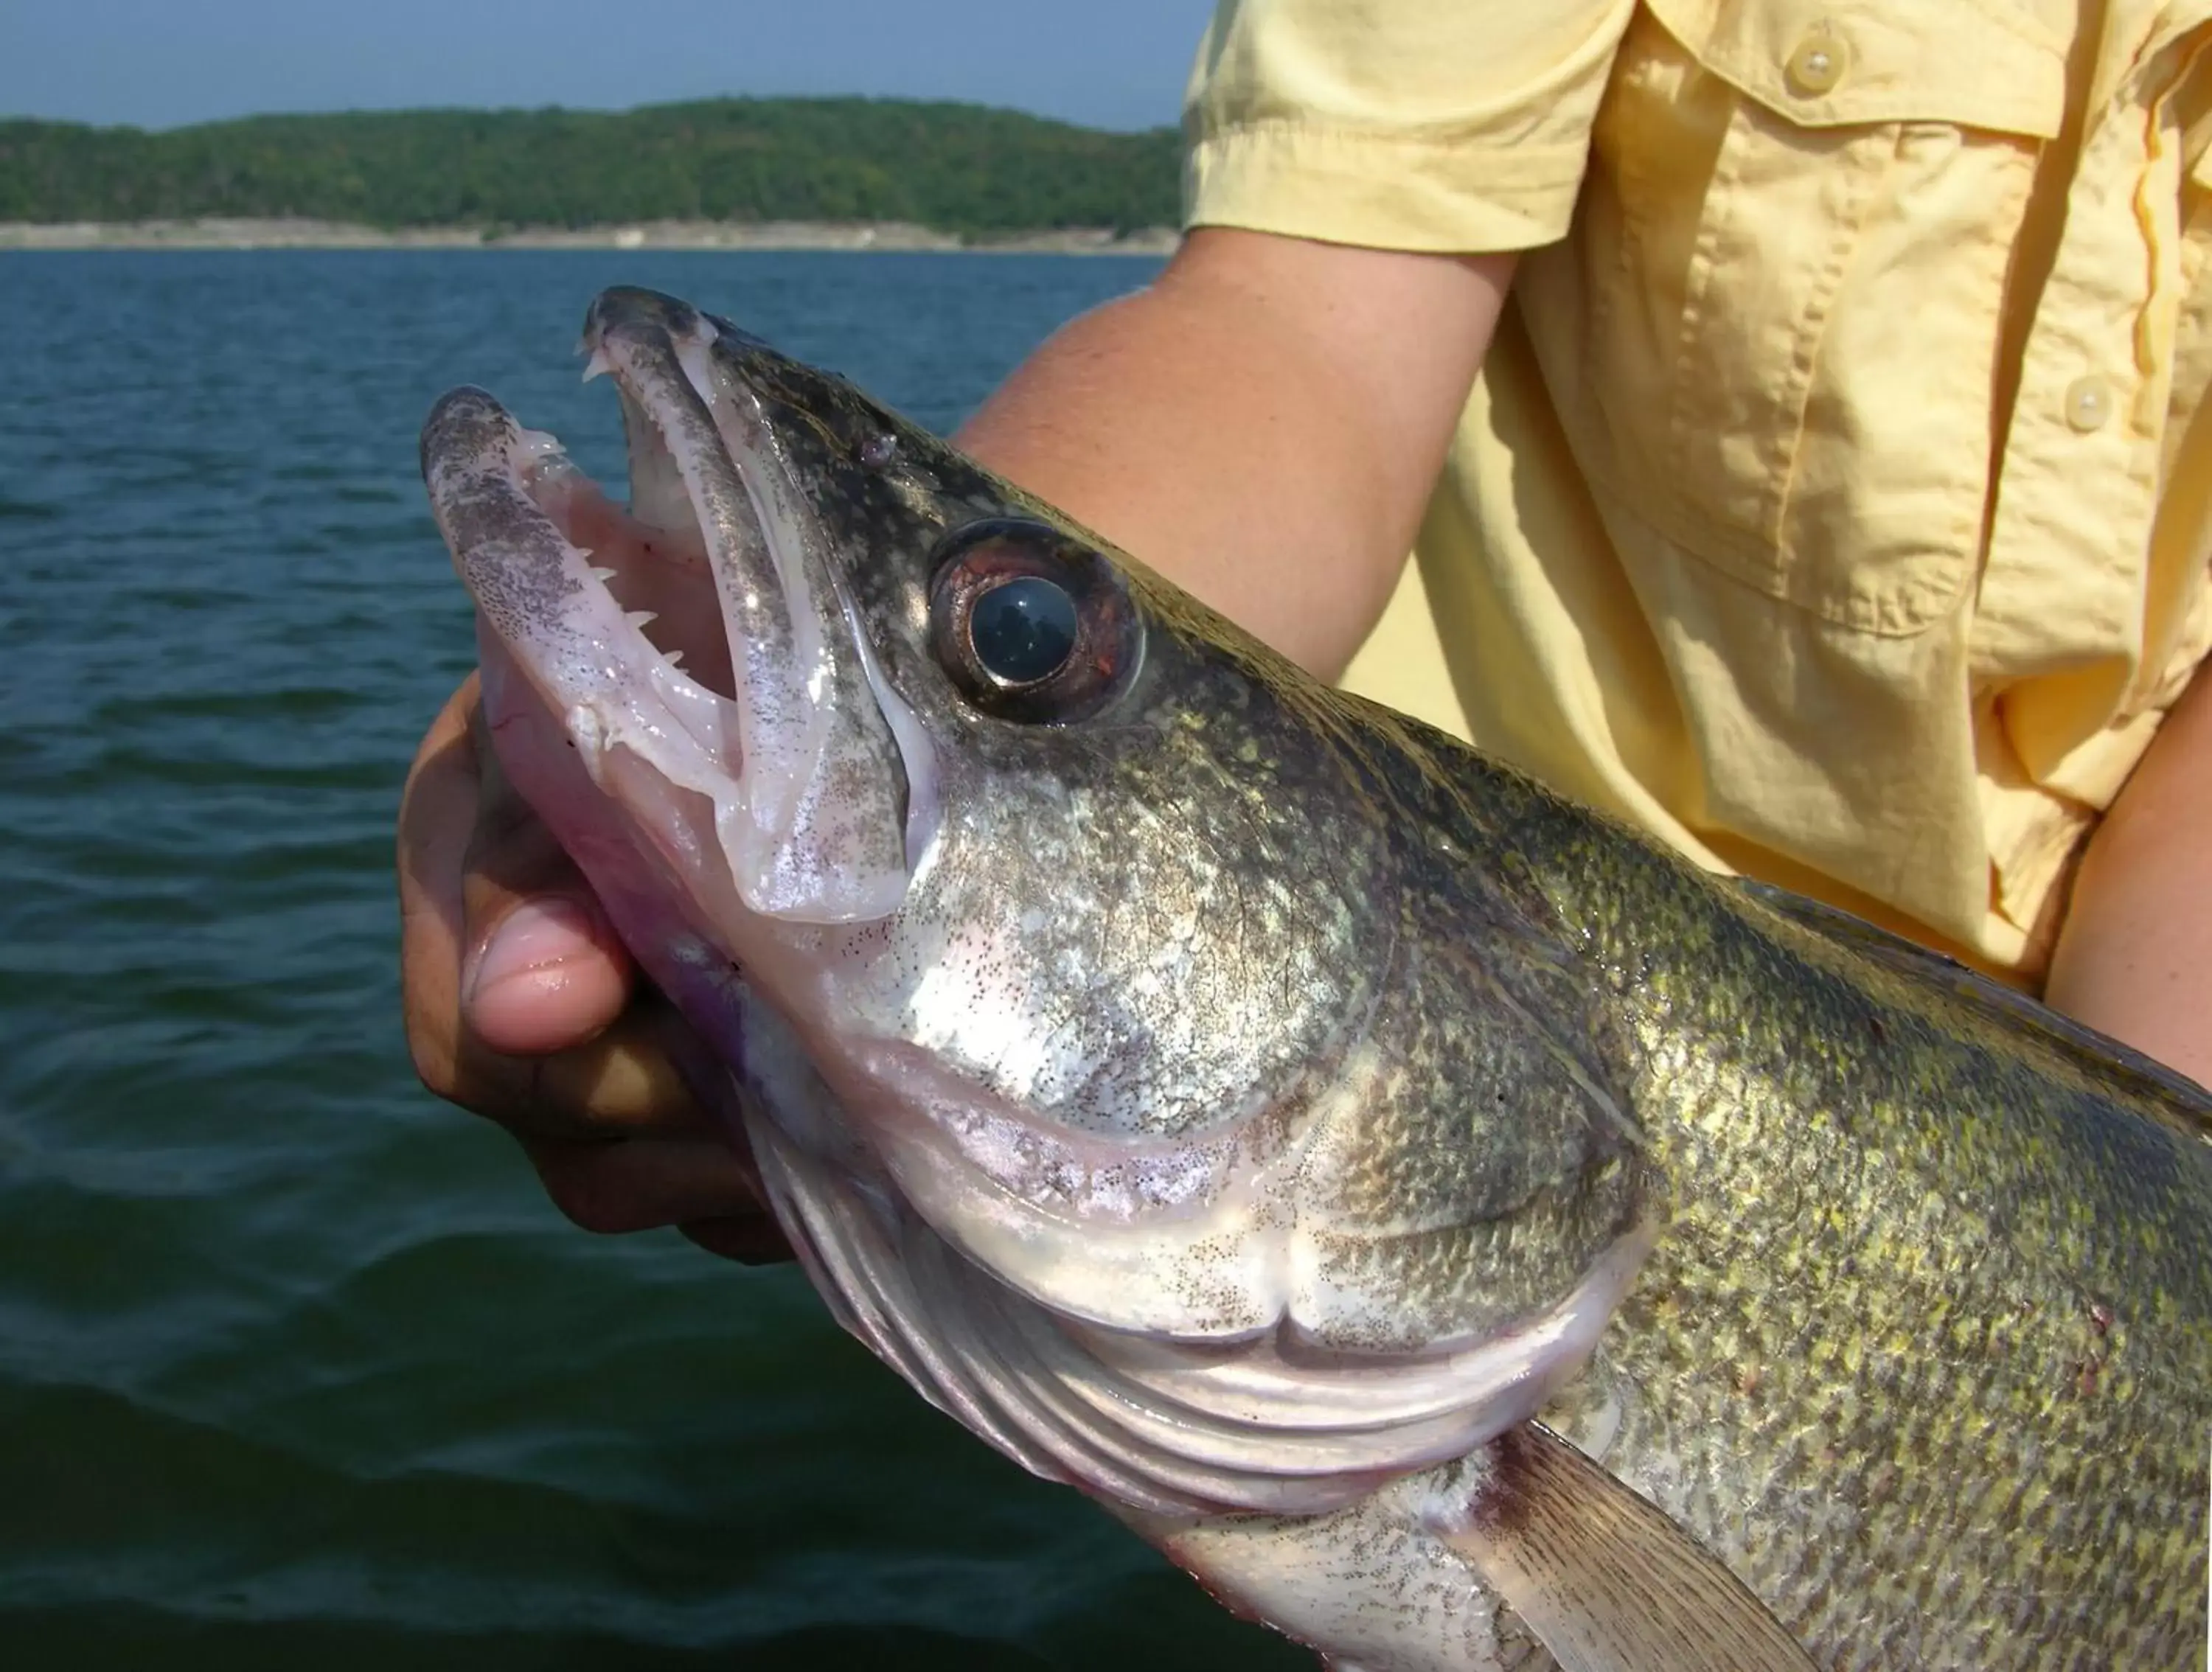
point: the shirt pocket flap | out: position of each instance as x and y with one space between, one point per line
1970 62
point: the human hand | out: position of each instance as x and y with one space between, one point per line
522 1006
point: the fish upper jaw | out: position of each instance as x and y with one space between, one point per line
752 731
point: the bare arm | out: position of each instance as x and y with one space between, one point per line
2135 957
1263 425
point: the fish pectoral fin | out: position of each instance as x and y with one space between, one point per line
1603 1578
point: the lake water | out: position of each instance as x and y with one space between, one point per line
298 1368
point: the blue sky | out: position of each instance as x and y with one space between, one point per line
160 63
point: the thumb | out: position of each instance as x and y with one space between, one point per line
542 969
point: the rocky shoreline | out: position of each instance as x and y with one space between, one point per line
216 233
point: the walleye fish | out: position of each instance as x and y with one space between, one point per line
1457 1230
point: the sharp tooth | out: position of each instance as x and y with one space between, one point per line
597 366
641 619
603 575
674 658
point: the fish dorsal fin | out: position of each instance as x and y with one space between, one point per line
2172 1097
1603 1578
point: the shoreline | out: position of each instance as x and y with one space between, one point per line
219 232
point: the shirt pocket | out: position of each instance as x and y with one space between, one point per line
1773 335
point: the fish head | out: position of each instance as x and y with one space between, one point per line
1076 957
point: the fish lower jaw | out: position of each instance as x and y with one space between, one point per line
567 585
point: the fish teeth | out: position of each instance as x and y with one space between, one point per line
601 575
673 658
597 366
641 619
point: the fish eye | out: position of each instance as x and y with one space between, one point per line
1023 629
879 450
1029 623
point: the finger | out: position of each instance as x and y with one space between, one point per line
621 1079
542 969
621 1083
437 810
640 1183
755 1241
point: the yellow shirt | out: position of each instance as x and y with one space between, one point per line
1835 499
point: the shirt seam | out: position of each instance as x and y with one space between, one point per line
1569 161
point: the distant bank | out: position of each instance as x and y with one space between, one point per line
248 233
811 173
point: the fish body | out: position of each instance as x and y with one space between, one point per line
1462 1233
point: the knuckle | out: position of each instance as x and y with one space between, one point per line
500 1089
586 1195
619 1084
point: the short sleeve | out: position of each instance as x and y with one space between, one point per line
1411 125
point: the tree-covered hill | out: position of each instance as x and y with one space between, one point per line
962 168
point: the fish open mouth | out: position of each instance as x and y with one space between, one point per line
702 644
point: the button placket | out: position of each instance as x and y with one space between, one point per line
2075 500
2077 483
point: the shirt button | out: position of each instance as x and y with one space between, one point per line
1817 64
2089 403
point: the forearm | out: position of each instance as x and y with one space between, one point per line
1263 425
2135 955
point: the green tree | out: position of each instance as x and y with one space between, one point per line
960 168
